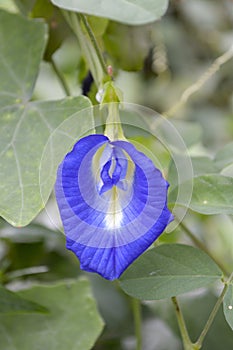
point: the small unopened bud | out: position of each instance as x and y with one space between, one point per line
110 71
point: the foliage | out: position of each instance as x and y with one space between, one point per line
179 65
68 303
167 271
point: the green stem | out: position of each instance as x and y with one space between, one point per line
200 245
182 326
94 42
89 46
213 313
137 322
61 78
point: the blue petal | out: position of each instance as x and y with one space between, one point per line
112 207
107 180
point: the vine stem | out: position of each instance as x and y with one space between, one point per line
94 42
137 322
200 245
89 46
215 66
213 313
188 345
61 78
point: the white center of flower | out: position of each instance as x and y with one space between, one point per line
113 220
114 215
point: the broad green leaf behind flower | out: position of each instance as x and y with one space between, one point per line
72 322
124 11
25 127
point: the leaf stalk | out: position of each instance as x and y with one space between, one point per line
213 313
188 345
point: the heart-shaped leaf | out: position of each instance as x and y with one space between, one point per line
134 12
26 126
73 321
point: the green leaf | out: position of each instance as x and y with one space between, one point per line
201 166
11 303
72 323
26 126
19 61
134 12
25 182
224 156
58 28
167 271
212 194
228 306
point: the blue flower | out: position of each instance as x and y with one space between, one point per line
112 202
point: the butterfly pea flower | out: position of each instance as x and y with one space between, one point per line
112 202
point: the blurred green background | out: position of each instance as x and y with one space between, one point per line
153 65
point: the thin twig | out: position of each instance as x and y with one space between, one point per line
182 326
61 78
215 66
137 322
213 313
